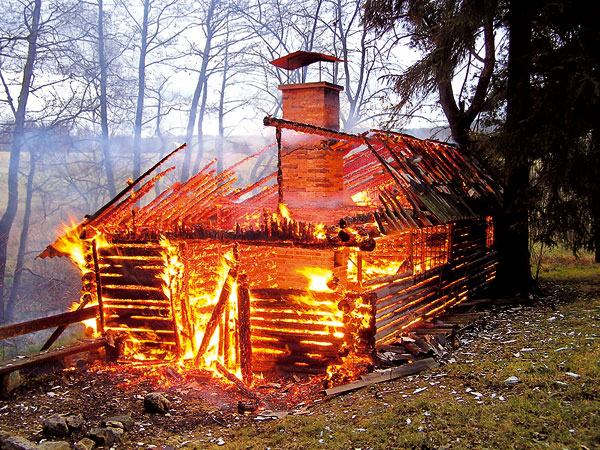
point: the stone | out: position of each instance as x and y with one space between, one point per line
125 420
85 444
75 421
18 443
106 436
54 445
511 381
55 426
156 403
114 424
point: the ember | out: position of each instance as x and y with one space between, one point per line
355 240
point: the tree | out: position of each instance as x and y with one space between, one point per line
158 34
212 25
31 13
513 229
105 143
547 99
448 35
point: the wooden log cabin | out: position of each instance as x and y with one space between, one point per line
353 241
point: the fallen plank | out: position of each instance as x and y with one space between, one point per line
379 377
17 329
435 330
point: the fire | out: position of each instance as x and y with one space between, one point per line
318 278
284 211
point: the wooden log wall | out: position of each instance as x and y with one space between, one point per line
405 303
133 297
295 330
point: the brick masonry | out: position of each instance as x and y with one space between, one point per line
312 172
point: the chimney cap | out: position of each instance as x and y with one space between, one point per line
300 59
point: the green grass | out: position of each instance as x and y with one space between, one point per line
559 264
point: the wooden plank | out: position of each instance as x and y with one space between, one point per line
244 329
296 337
149 323
132 294
115 260
138 279
136 303
396 372
48 355
286 294
130 250
433 331
295 346
17 329
128 311
299 325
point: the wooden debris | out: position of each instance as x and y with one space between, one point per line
235 380
379 377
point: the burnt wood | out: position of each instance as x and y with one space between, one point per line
244 329
217 311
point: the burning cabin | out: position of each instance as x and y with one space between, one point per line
353 241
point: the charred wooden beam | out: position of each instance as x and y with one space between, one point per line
235 380
98 286
269 121
244 329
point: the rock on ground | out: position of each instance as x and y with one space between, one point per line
85 444
156 403
106 436
17 443
55 426
125 420
54 445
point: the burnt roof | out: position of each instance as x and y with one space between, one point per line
431 182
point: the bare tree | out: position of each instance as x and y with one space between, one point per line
31 13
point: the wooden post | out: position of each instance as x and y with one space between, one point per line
186 313
359 264
244 330
226 337
98 286
279 169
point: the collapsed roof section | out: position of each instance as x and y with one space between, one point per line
394 180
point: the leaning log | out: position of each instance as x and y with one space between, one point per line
215 317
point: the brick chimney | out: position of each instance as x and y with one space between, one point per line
312 173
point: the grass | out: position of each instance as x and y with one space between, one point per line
548 408
559 264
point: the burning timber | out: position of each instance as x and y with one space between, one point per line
352 242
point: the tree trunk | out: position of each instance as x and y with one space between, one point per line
221 137
514 273
14 291
201 83
137 128
15 150
110 178
200 129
